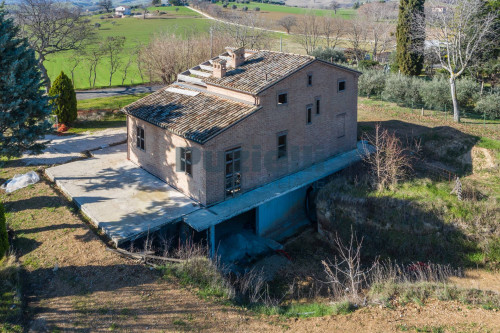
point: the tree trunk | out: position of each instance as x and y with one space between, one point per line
45 76
456 111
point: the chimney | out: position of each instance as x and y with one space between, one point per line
237 57
219 68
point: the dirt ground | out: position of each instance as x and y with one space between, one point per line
72 284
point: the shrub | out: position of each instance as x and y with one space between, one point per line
343 308
467 92
224 5
489 105
372 82
436 93
257 9
234 6
402 89
245 8
329 54
97 25
64 101
4 238
367 64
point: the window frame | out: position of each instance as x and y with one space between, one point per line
185 162
309 110
341 117
140 138
338 85
282 153
234 176
317 104
309 79
278 94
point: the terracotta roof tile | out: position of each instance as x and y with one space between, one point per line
260 70
194 115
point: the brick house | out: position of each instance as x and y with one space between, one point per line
243 120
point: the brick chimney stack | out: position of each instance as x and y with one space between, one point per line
219 68
237 57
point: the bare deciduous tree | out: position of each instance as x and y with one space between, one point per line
287 22
167 55
245 31
391 161
308 32
346 275
112 47
379 28
332 30
458 35
334 5
92 57
125 69
107 5
52 27
357 35
76 59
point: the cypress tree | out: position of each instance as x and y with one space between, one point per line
4 238
23 107
410 37
64 99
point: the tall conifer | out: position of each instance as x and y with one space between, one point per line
410 44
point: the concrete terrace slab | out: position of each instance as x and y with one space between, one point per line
205 218
62 149
122 199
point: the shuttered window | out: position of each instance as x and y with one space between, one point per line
140 137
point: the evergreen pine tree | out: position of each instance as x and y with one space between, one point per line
410 44
4 238
23 107
64 99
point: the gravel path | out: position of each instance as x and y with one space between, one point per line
117 91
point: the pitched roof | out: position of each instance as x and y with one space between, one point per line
194 115
260 70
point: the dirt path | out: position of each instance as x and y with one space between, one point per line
72 284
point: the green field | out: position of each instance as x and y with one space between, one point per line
264 7
137 31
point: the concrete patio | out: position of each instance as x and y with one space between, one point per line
118 196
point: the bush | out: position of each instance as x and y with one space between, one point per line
224 5
64 101
372 82
402 89
257 9
234 6
436 93
367 64
329 54
245 8
467 92
489 105
4 238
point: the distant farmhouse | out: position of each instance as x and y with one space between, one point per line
247 134
122 11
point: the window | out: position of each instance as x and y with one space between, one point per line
185 160
341 85
140 137
341 125
318 105
282 98
281 145
309 114
233 172
309 80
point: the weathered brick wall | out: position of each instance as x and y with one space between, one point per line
257 136
307 143
159 158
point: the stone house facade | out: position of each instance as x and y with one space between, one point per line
242 120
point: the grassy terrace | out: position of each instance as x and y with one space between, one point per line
264 7
137 31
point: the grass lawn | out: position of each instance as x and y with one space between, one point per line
108 103
264 7
137 31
